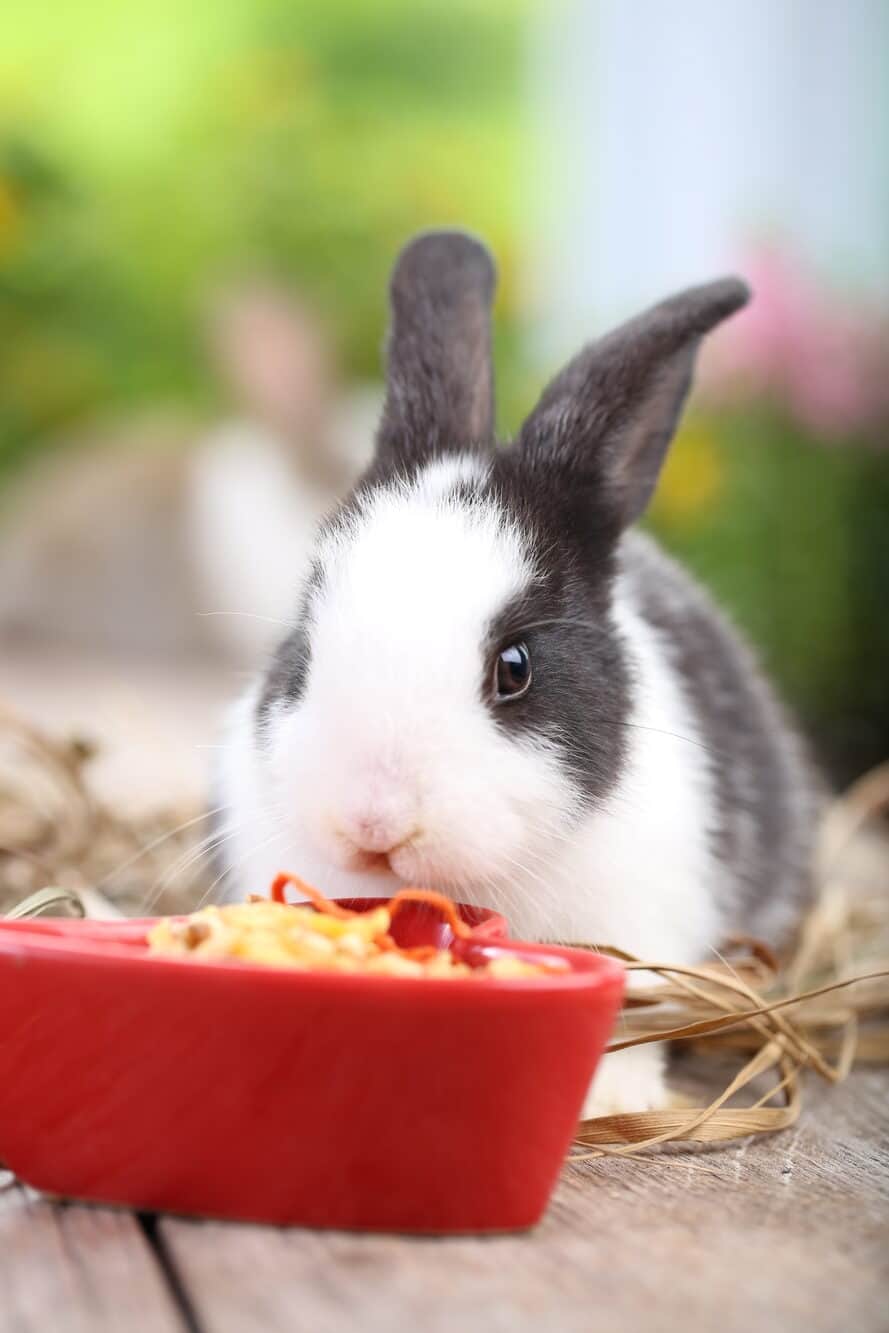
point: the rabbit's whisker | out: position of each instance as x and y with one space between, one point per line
257 847
205 849
249 615
157 842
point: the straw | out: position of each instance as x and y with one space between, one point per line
55 831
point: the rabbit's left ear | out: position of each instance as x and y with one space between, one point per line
609 417
439 391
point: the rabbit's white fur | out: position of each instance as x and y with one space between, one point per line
391 734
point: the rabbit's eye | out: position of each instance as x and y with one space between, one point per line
512 673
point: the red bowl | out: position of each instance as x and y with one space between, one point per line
236 1090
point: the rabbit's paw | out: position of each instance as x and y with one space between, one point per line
631 1080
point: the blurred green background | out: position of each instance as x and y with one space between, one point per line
150 153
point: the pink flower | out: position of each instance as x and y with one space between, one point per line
825 359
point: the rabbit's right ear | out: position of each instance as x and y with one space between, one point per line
439 393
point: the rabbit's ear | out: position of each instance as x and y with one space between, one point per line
608 418
440 394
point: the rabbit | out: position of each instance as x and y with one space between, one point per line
496 686
113 544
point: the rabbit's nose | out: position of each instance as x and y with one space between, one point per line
378 831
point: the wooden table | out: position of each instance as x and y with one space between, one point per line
780 1234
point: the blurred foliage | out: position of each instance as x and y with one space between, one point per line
148 153
793 538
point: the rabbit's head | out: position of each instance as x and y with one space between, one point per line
455 695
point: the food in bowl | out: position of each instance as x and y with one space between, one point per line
323 935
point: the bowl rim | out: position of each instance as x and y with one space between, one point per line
586 969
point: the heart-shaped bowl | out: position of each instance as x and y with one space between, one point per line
236 1090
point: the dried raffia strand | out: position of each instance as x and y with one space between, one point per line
805 1049
44 901
827 1007
648 1129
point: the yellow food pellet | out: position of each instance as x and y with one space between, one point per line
512 967
354 945
299 937
394 965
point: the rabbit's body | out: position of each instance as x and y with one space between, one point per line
762 793
698 812
494 688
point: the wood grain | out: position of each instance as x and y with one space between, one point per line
78 1269
774 1235
777 1235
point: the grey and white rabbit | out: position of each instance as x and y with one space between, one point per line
497 687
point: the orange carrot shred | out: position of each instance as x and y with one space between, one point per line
444 905
315 897
461 930
420 953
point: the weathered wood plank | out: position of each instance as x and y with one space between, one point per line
68 1269
778 1235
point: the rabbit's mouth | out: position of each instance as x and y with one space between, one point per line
374 862
413 853
422 865
405 863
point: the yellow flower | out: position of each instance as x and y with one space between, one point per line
693 478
